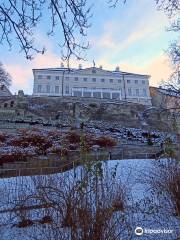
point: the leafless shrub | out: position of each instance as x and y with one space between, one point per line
164 180
81 204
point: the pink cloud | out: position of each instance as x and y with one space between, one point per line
22 76
159 69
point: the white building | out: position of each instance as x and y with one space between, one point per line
92 82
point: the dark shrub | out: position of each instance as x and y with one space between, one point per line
73 137
106 142
93 105
149 141
46 219
25 223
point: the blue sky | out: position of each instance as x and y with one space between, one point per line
131 36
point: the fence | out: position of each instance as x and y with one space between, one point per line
60 166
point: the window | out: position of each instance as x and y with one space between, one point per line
76 78
128 81
111 80
106 95
94 79
137 92
102 80
56 89
67 78
97 94
115 95
87 94
77 93
57 77
136 81
67 89
5 105
12 104
143 81
119 80
85 79
39 76
144 92
39 89
129 92
47 88
48 77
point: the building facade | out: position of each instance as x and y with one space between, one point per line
92 82
165 98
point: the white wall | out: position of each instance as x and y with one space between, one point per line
87 79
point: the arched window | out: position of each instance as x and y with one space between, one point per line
5 105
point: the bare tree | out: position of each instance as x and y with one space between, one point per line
171 8
5 78
21 18
171 84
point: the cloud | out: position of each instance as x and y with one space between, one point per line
22 76
159 69
110 47
121 34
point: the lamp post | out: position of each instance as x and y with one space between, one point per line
124 84
62 92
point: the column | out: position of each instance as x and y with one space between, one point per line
110 95
101 93
120 95
91 92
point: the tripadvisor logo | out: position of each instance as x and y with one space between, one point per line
139 231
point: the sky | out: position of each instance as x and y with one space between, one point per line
132 36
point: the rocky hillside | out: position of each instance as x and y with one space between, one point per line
68 110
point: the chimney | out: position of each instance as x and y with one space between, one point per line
80 66
100 66
117 69
62 65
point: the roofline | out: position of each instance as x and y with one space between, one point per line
168 92
139 74
77 69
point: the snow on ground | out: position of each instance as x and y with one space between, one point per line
144 208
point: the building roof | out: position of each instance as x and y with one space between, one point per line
64 69
169 92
